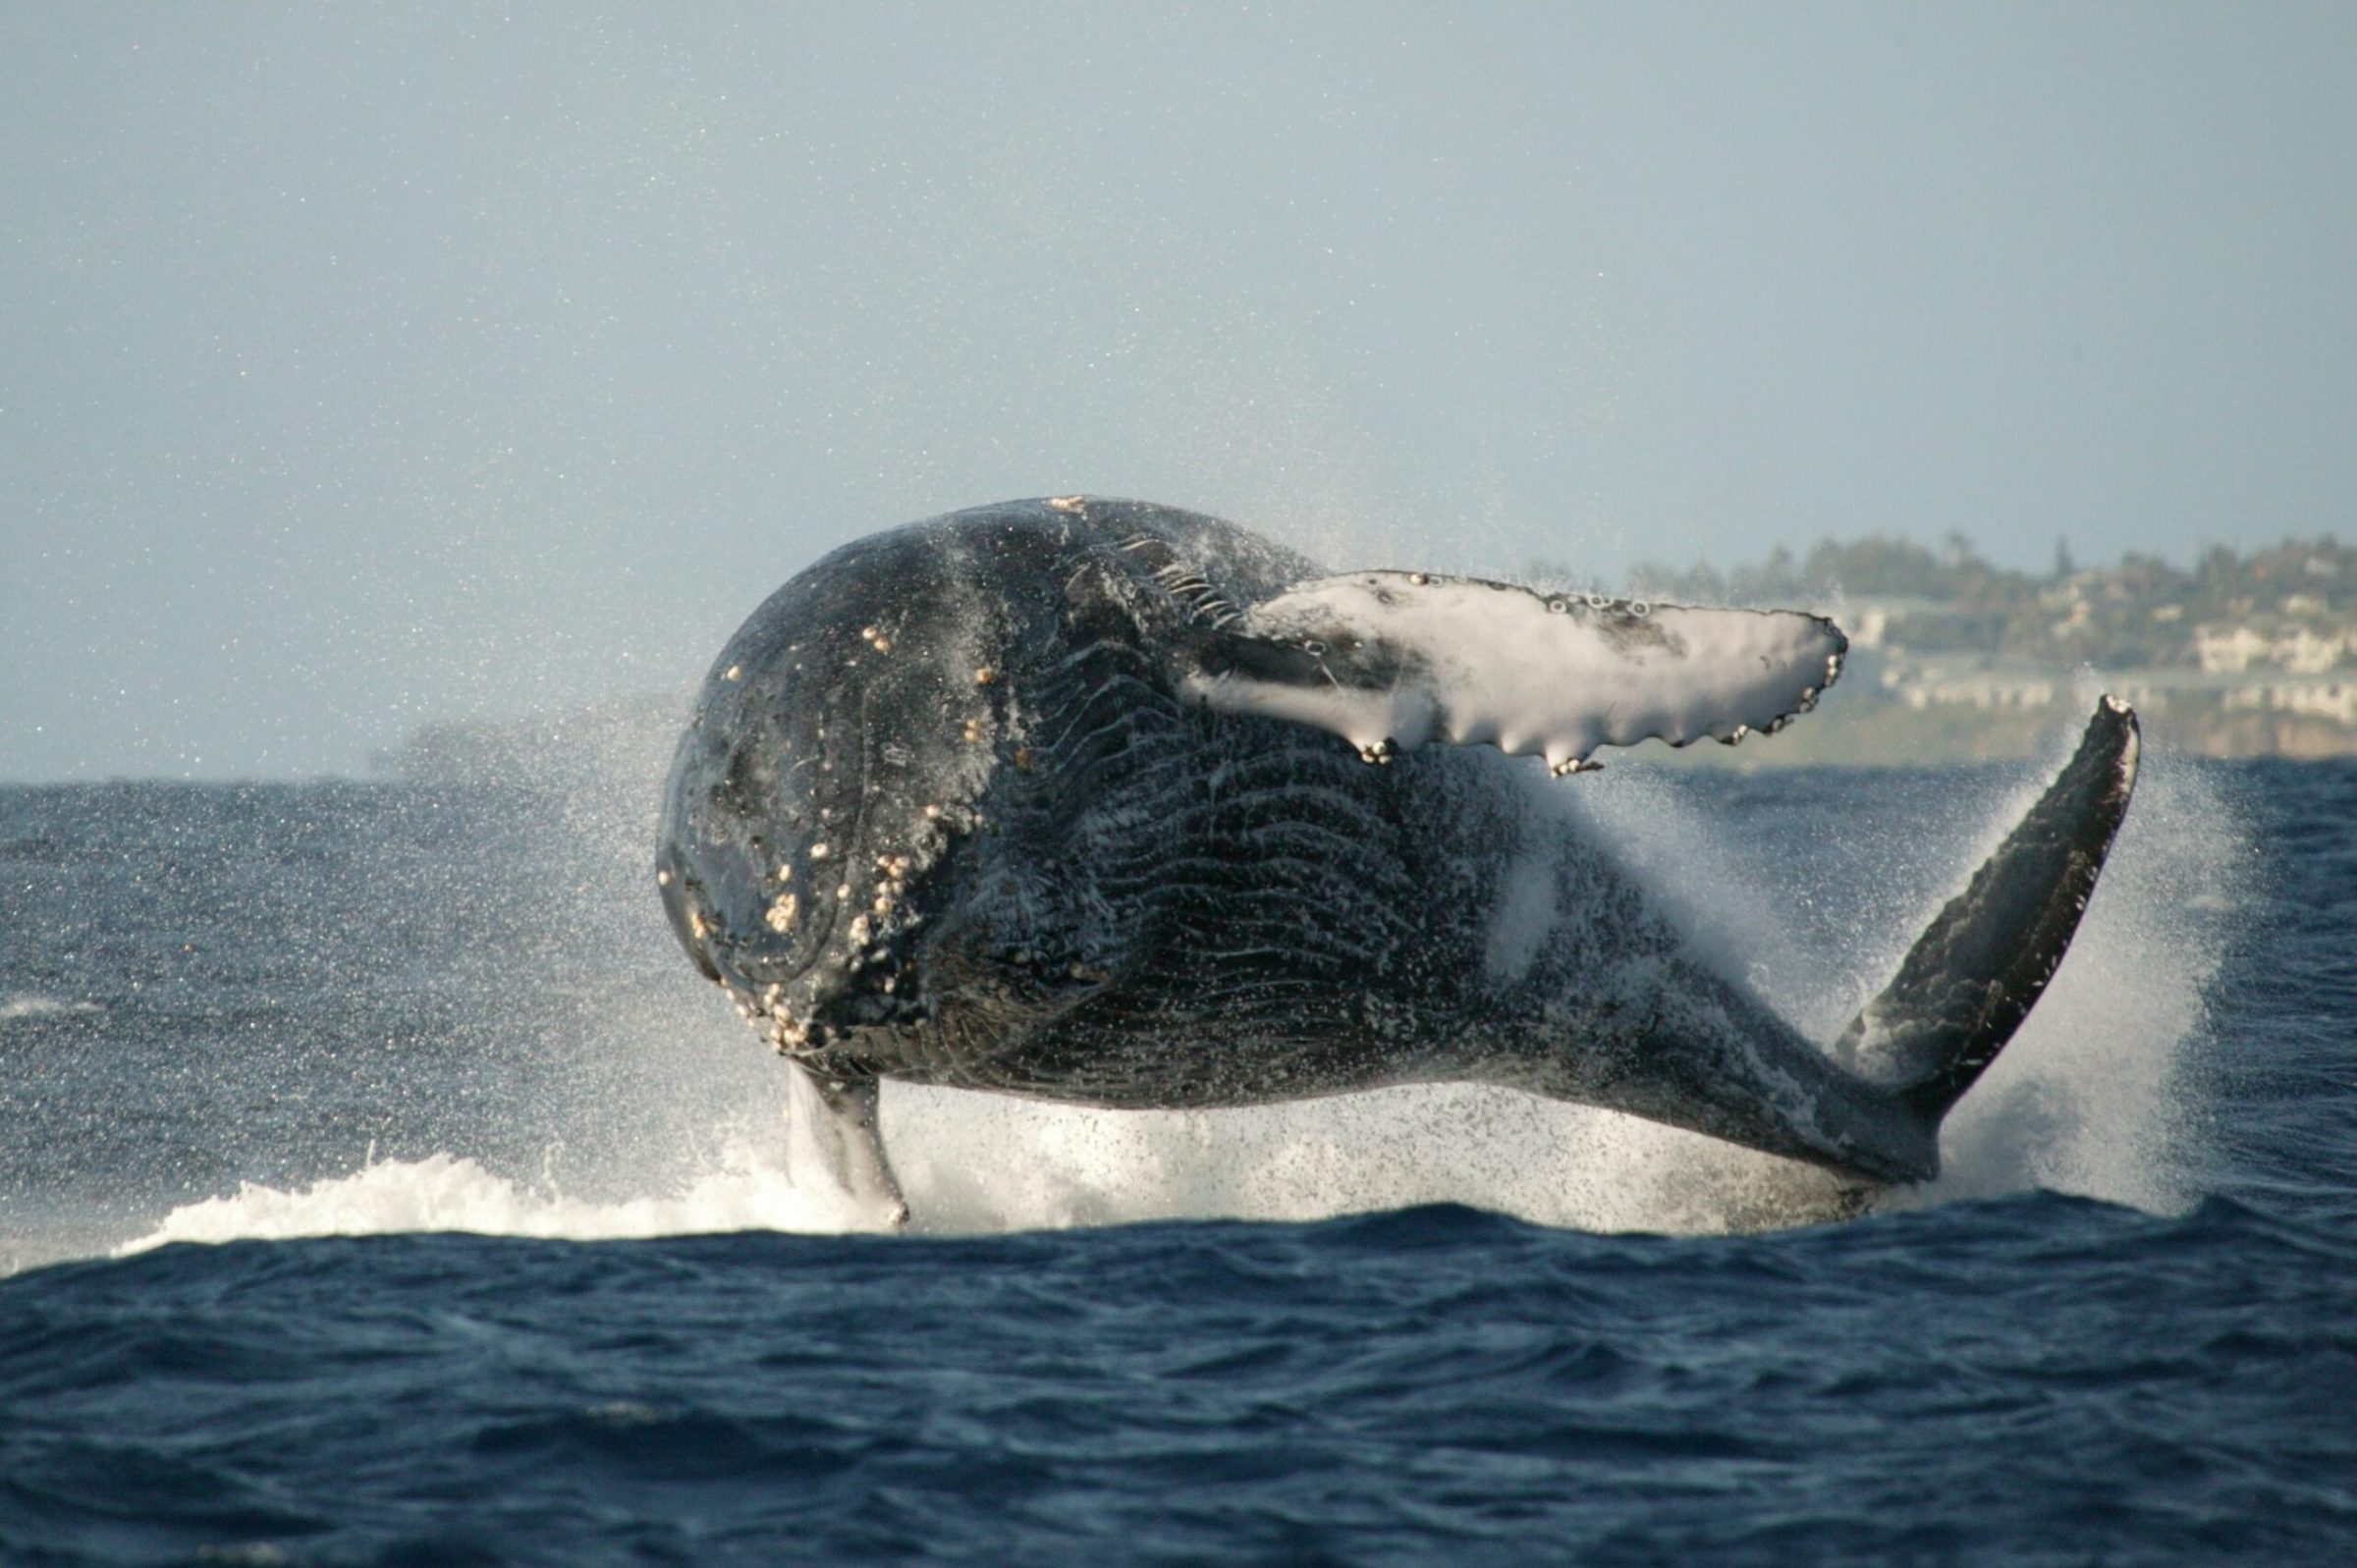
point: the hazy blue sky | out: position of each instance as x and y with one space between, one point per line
359 367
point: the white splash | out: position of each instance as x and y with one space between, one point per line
2094 1095
445 1191
986 1164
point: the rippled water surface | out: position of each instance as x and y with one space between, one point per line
580 1311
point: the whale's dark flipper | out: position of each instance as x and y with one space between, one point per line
838 1119
1979 967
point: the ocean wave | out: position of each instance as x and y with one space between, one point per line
445 1191
33 1004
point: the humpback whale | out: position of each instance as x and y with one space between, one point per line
1110 803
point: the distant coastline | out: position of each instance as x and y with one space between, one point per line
1952 661
1955 660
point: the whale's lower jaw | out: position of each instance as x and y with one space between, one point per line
951 815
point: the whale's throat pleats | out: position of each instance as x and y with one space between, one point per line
1389 660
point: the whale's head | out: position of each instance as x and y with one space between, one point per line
829 779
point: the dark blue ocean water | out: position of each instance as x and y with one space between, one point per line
2124 1332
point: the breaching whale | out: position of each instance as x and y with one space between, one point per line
1110 803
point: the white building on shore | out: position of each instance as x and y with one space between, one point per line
2300 650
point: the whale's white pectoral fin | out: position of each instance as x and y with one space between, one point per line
1391 659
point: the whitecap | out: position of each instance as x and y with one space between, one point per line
33 1004
444 1192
